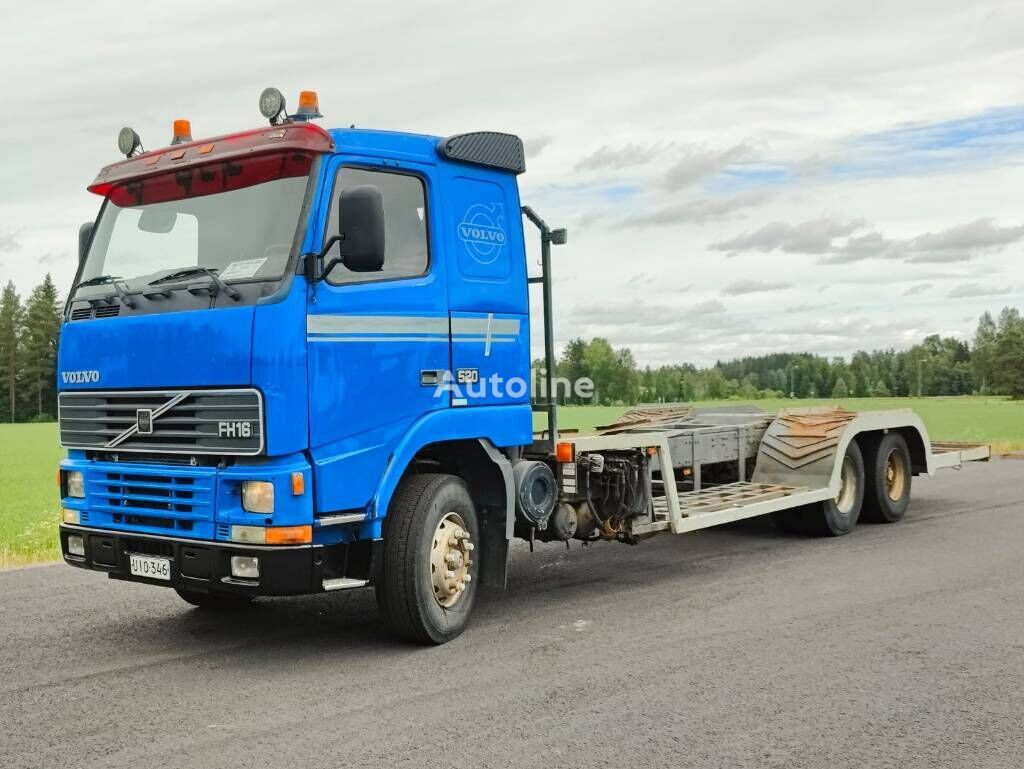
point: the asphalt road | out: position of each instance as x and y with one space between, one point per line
896 646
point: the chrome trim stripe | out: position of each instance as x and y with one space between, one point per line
371 324
484 326
410 324
388 338
337 520
477 339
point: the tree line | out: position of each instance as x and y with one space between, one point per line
28 353
992 364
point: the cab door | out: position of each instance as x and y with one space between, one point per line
377 342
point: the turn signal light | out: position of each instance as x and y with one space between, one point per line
565 452
298 484
289 535
182 132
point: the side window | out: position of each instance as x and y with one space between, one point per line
405 224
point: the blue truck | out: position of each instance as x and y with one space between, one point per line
296 360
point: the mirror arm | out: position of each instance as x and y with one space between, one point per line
312 261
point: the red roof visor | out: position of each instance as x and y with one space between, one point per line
300 137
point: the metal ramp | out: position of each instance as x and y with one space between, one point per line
715 505
956 453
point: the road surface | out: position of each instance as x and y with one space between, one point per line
897 646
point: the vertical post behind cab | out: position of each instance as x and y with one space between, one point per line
548 405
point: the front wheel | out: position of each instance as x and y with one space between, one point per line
428 582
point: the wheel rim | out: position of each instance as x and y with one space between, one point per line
895 475
847 495
450 560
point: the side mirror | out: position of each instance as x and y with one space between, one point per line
84 236
361 228
360 233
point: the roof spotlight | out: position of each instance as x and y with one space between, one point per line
129 142
272 105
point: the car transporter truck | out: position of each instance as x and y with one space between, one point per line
278 375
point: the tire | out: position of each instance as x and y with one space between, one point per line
834 517
887 478
419 591
213 600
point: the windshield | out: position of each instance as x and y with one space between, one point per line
238 218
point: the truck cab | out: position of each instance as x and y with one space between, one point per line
268 331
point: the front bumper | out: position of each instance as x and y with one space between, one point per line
205 567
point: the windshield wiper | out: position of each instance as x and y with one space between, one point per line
119 292
209 272
99 280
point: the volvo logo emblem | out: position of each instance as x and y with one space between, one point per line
79 377
482 230
144 421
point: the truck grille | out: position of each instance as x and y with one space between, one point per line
131 498
164 421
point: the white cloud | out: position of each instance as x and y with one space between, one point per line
746 286
811 237
699 163
973 290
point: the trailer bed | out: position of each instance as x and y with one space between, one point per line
795 452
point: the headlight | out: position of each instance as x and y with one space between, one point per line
75 482
258 496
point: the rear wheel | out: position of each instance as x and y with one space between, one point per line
213 600
428 583
834 517
888 474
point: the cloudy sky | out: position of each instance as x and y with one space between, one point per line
737 177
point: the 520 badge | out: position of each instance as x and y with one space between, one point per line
466 376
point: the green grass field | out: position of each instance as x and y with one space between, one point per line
29 504
29 508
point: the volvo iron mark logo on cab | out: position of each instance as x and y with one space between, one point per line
482 229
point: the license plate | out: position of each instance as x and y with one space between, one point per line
149 567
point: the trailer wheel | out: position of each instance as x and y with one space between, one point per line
834 517
428 582
213 600
887 480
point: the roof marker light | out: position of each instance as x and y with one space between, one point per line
272 105
309 107
129 142
182 132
